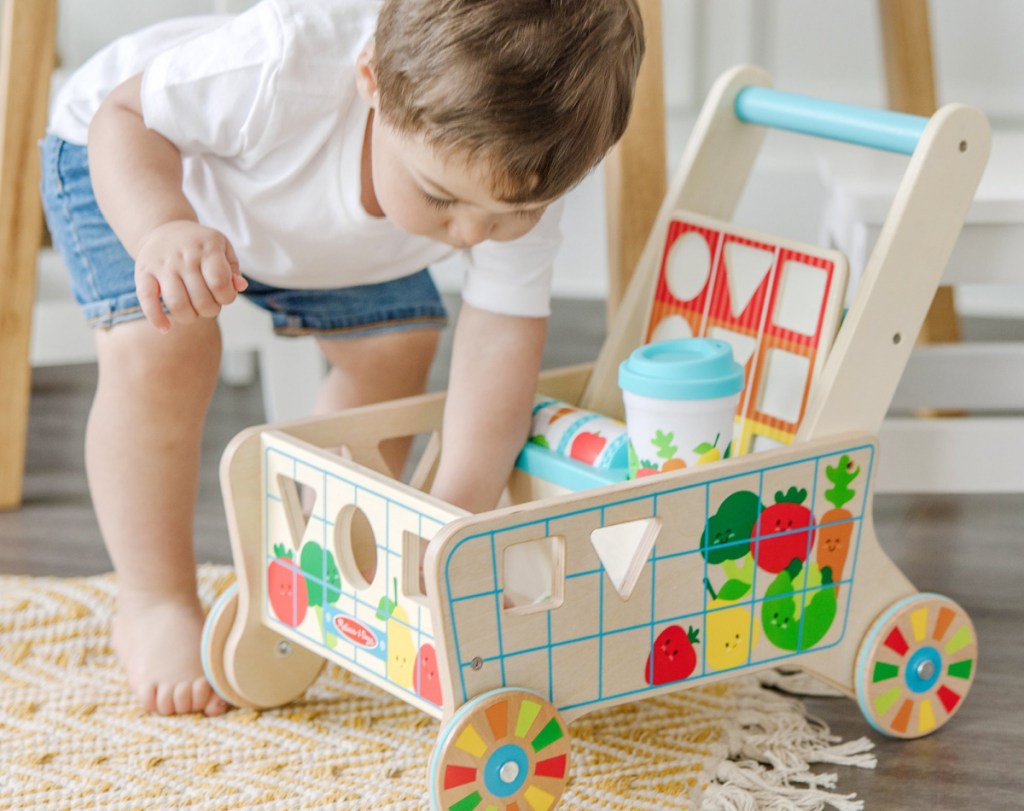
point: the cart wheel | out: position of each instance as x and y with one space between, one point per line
916 665
507 749
215 634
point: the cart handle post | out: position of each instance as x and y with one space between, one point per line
851 123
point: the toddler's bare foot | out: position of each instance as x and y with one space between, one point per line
157 642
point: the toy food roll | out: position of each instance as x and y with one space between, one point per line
585 436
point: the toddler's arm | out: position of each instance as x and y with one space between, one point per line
137 176
495 362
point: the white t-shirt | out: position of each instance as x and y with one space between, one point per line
264 109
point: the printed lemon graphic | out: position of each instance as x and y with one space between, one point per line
727 636
727 639
708 451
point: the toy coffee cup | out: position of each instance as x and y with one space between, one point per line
681 398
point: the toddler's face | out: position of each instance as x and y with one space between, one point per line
446 199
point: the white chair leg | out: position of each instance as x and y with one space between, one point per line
291 370
238 367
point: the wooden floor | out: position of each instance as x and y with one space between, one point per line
970 548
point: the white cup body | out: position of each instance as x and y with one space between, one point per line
667 435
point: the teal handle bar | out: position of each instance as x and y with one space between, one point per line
864 126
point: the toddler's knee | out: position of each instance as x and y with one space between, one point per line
184 360
394 352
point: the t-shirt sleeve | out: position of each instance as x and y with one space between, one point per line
514 278
210 93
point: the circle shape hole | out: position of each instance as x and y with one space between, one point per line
355 547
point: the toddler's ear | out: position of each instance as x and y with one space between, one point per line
366 78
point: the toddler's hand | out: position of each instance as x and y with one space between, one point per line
191 268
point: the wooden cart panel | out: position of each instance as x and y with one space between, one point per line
664 582
342 549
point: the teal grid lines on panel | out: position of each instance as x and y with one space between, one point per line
492 592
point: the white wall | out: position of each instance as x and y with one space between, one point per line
85 26
810 46
829 49
833 49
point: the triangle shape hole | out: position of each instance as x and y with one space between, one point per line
624 549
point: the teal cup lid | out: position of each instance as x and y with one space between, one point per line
682 369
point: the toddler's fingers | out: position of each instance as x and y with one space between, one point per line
199 294
176 300
238 281
148 290
219 278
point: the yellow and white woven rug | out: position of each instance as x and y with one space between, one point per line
72 736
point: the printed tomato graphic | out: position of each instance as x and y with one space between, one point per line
428 682
673 657
587 446
788 523
286 588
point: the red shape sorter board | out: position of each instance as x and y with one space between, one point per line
778 303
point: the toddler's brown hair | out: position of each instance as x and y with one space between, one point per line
540 89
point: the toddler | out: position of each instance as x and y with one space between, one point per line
315 156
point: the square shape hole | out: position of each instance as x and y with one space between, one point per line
533 575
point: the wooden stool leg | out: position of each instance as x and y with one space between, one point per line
635 170
26 63
910 77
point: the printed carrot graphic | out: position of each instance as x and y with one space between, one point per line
836 525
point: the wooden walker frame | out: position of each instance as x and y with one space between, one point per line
406 591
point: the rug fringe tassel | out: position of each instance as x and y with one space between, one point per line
750 786
771 749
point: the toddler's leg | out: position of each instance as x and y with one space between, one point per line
142 456
374 369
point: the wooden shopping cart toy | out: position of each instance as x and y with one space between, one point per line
633 587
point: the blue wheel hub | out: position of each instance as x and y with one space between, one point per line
506 770
923 669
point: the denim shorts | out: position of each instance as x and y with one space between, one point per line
103 274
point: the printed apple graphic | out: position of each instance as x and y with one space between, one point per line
286 588
587 446
428 683
673 657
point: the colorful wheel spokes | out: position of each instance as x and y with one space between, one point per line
919 667
509 753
